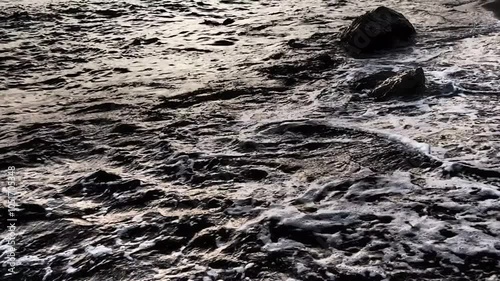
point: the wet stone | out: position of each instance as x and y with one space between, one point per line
382 28
101 177
222 43
224 263
228 21
294 43
407 85
125 128
109 13
371 81
211 22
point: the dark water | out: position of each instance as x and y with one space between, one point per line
493 6
226 140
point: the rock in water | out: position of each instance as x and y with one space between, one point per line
408 84
382 28
371 81
228 21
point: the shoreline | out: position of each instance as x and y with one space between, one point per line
236 140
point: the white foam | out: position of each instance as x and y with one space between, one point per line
48 272
282 244
98 250
30 260
71 270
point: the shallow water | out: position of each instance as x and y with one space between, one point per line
158 140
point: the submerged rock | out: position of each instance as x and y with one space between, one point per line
109 13
101 177
100 183
294 43
408 84
371 81
305 69
144 41
211 22
382 28
228 21
222 43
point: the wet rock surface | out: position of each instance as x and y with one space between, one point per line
223 140
379 29
407 85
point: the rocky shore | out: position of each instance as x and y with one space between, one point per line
250 140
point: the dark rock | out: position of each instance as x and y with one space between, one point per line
223 43
371 81
382 28
121 69
368 217
304 69
325 59
385 219
405 85
101 107
211 22
144 41
293 43
53 81
72 10
101 176
152 40
136 42
228 21
465 169
124 128
224 263
109 13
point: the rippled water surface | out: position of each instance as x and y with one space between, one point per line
227 140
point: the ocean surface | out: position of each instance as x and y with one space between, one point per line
229 140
